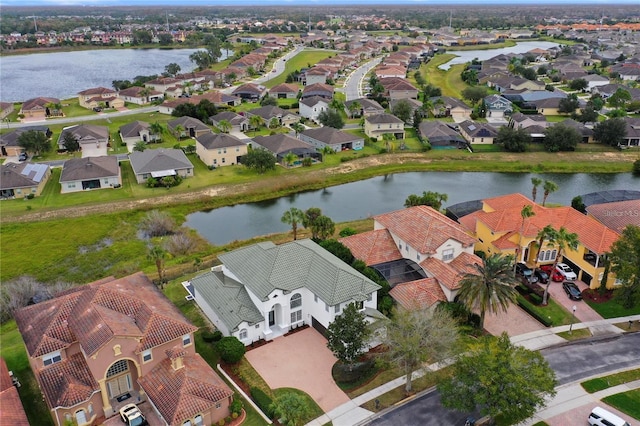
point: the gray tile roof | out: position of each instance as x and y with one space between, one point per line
313 100
188 123
89 168
330 136
133 129
218 140
154 160
265 267
228 298
281 143
22 175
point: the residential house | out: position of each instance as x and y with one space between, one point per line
270 113
262 291
282 144
21 179
284 91
390 71
188 127
112 342
498 106
337 140
632 135
445 106
375 126
522 121
12 410
616 215
312 107
315 75
137 131
100 97
220 149
239 123
318 89
6 108
499 228
217 98
441 134
477 133
80 174
419 251
363 107
9 145
93 140
250 92
548 106
139 95
585 132
398 88
159 163
166 85
595 80
40 108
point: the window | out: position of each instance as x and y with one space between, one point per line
336 308
369 297
81 417
243 334
359 306
400 246
418 257
224 150
218 405
197 420
186 423
237 149
215 161
315 298
219 150
51 358
296 301
224 160
146 356
118 367
90 409
186 340
296 316
447 254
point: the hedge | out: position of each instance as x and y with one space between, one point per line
528 307
263 401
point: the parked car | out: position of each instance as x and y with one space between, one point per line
543 277
23 156
572 290
525 272
566 271
556 276
132 416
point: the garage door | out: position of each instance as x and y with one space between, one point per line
119 385
319 327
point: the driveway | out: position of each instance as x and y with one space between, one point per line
301 361
515 322
147 410
584 312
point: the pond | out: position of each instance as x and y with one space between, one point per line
367 198
464 56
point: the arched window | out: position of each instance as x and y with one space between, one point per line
81 417
243 334
118 367
296 301
197 420
553 254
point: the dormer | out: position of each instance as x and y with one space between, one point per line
176 355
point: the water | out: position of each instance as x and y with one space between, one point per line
63 74
363 199
464 56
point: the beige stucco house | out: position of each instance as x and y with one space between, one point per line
219 149
379 124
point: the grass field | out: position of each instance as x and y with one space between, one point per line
449 81
304 59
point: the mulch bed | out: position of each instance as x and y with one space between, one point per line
230 369
259 343
593 295
297 329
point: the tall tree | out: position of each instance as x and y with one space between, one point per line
513 140
158 255
569 104
536 182
323 228
417 336
525 213
293 217
172 69
255 121
291 409
496 377
625 262
331 118
34 142
610 132
297 128
428 198
70 142
402 109
259 160
310 217
156 130
549 187
474 94
562 239
348 334
491 287
561 138
224 126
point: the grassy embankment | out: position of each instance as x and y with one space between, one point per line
304 59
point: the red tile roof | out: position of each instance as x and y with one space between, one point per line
443 272
373 247
418 294
424 228
11 409
67 383
178 394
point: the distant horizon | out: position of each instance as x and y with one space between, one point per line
309 3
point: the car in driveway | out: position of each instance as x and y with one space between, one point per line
554 274
526 273
543 277
572 290
566 271
132 416
23 156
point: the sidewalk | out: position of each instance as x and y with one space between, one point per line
351 413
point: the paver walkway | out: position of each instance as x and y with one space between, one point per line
515 322
302 361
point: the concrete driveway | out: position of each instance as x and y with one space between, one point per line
301 361
584 313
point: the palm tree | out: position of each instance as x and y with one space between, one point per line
144 93
563 239
336 104
156 129
491 288
388 138
525 213
549 187
289 158
224 126
536 182
158 255
140 146
178 130
293 217
256 121
327 150
298 128
355 108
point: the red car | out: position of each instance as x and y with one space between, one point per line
555 275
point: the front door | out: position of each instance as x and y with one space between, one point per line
272 318
119 385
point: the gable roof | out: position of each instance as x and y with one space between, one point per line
282 143
188 123
424 228
265 267
154 160
418 294
313 100
11 138
366 104
22 175
230 116
372 247
12 409
284 88
67 383
383 119
218 140
267 112
89 168
317 87
97 91
38 103
330 136
438 131
179 394
133 129
478 129
250 88
86 133
617 215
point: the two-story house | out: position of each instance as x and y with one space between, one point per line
219 149
379 124
100 96
112 342
264 290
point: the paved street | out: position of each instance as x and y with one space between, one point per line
352 86
74 120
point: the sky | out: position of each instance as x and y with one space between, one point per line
299 2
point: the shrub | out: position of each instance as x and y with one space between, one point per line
217 335
23 291
207 336
29 196
263 401
180 244
221 422
348 232
227 419
157 224
231 349
235 407
528 307
636 167
535 299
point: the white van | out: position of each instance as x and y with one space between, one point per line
601 417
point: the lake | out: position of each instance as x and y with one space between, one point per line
367 198
464 56
63 74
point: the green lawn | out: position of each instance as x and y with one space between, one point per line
613 309
582 333
304 59
627 402
448 81
601 383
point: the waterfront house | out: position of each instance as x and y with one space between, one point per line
281 144
220 149
139 95
337 140
40 108
476 132
80 174
159 163
100 97
379 124
441 134
22 179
